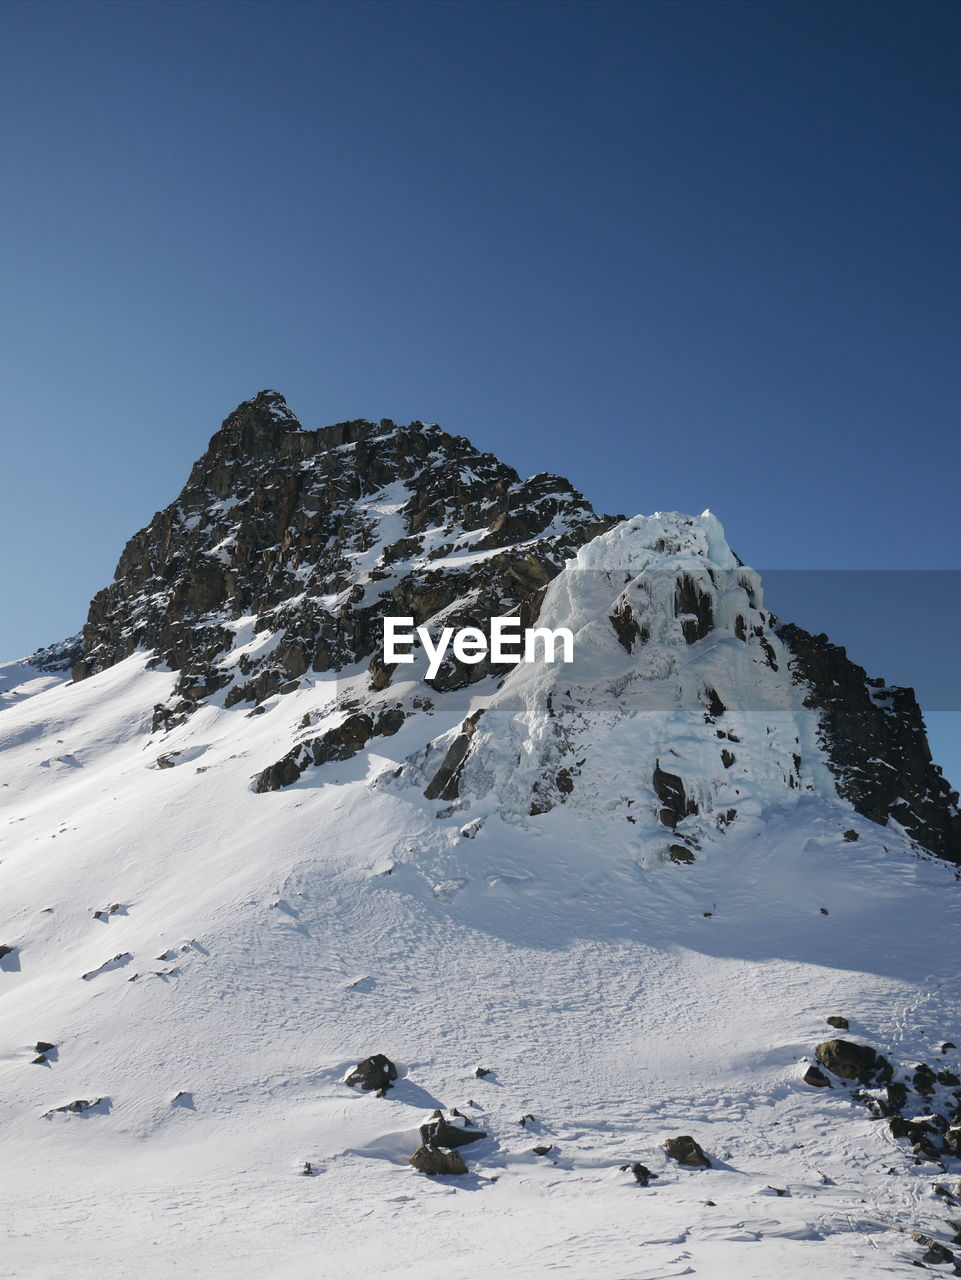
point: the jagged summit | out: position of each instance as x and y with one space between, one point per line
314 536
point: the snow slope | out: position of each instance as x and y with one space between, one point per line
262 944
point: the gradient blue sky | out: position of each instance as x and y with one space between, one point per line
687 254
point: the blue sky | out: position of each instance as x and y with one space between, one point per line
687 254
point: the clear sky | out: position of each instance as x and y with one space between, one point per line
687 254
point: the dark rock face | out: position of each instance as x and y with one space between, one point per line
694 608
670 791
836 1021
375 1073
434 1161
626 627
289 526
444 784
853 1061
686 1151
864 721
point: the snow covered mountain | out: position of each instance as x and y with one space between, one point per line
583 908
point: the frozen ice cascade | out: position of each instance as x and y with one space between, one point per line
677 671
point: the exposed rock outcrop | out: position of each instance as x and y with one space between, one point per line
874 737
315 536
853 1061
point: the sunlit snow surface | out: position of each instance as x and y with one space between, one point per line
618 998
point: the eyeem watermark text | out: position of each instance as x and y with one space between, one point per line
469 644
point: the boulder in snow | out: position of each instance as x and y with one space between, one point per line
455 1132
686 1151
434 1161
853 1061
375 1073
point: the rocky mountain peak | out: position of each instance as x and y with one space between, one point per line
312 537
288 547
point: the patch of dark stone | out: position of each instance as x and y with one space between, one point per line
924 1079
435 1161
680 853
642 1175
542 1151
375 1074
686 1151
693 608
836 1021
480 1072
